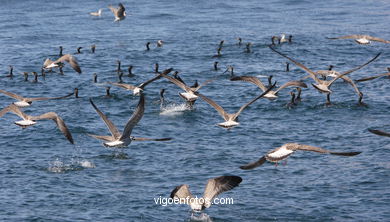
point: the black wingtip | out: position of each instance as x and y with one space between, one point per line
173 193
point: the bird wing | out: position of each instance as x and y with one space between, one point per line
181 192
217 107
114 10
150 139
48 98
111 127
255 164
165 72
311 73
250 79
121 10
14 109
12 95
350 81
218 185
177 82
135 118
105 138
252 101
295 146
373 77
58 120
377 39
71 60
292 83
348 37
123 85
47 63
353 70
379 132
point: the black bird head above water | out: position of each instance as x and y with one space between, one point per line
147 46
290 38
287 67
216 65
35 77
108 92
60 54
196 84
130 70
79 50
94 78
43 74
118 69
10 74
93 48
330 67
25 76
76 92
156 67
120 77
239 41
248 47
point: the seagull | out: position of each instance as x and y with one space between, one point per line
65 58
271 95
379 132
231 119
26 101
284 39
117 139
214 187
362 39
160 43
189 94
287 149
119 13
323 86
31 120
98 13
137 89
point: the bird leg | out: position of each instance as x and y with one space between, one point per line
328 103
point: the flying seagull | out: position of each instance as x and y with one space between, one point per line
137 89
121 140
31 120
214 187
189 94
65 58
231 119
323 85
271 94
119 13
25 101
362 39
287 149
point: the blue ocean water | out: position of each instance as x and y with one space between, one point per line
45 178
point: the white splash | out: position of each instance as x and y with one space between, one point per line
174 109
87 164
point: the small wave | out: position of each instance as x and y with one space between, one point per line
174 109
